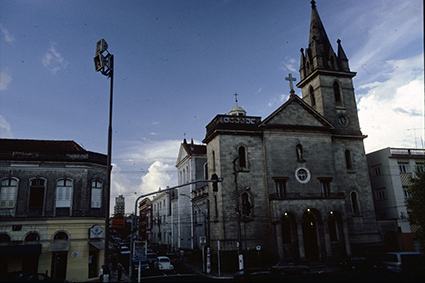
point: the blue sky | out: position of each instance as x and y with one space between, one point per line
178 64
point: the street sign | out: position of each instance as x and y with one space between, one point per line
203 240
139 251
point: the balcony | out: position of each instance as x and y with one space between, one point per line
306 196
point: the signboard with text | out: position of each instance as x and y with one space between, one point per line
140 251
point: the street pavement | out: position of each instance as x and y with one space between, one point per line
196 267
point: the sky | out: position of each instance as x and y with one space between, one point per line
178 64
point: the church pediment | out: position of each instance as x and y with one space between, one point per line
296 113
182 154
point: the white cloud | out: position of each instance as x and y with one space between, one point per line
290 64
278 100
131 179
7 36
389 110
53 60
389 32
5 79
5 128
156 177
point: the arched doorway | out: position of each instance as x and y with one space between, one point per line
310 228
289 236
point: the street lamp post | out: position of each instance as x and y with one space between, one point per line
104 62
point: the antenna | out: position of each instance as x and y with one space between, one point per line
414 130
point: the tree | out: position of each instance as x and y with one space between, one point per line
416 206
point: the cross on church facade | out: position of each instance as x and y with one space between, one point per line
291 79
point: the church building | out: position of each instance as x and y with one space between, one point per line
295 184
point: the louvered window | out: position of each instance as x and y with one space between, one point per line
8 193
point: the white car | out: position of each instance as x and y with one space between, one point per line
124 250
164 263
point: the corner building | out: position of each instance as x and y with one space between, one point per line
296 184
52 209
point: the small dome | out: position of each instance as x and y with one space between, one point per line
237 111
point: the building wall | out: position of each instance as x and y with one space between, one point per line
390 179
80 167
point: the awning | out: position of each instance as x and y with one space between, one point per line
20 250
98 244
59 246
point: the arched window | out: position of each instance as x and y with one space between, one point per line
32 237
4 238
213 160
355 203
300 152
337 93
64 197
96 193
36 198
312 97
242 157
206 171
61 236
349 160
8 194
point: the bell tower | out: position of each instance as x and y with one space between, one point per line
326 80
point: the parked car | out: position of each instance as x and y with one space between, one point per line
144 265
124 250
257 275
164 263
284 267
152 258
358 263
404 262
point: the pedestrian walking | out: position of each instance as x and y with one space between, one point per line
120 269
101 273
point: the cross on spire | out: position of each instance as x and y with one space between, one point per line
291 79
236 97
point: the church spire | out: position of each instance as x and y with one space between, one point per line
320 54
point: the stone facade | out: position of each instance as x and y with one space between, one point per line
296 184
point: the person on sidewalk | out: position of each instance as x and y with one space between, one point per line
120 269
101 273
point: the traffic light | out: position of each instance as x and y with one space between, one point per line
215 184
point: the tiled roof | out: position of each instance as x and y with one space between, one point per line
192 148
8 145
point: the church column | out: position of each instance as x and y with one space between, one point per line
328 246
300 239
346 238
279 240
